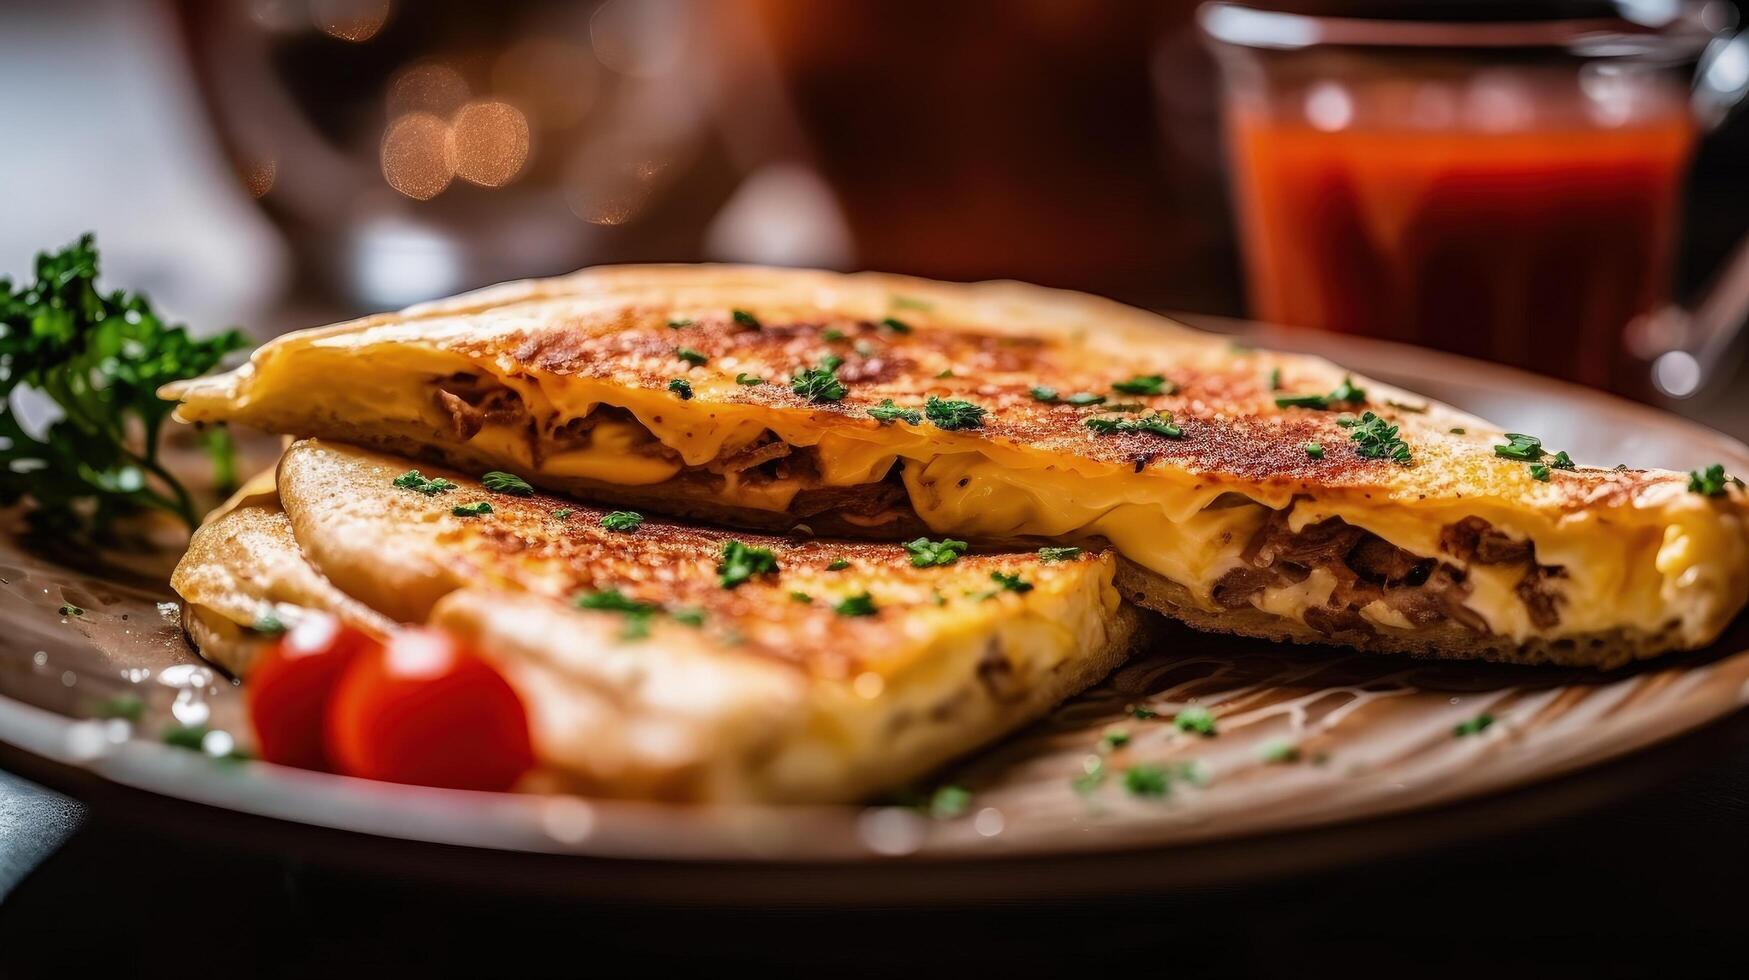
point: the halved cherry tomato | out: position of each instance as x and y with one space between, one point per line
426 709
291 685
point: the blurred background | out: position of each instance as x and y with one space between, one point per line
1555 184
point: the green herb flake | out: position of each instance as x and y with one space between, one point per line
563 513
1158 423
927 554
910 303
1147 780
741 562
419 483
688 616
127 707
68 609
749 380
1143 713
1712 481
1044 394
744 319
1314 450
624 521
100 359
1115 738
1474 726
801 598
953 414
499 481
1458 430
681 387
949 802
1525 449
268 623
679 324
1011 582
691 356
896 325
1048 554
1083 399
1277 752
820 384
1376 439
1275 379
1345 394
476 509
838 565
1145 384
887 412
1539 472
945 372
610 600
1196 719
860 604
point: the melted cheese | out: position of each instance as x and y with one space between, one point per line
1626 567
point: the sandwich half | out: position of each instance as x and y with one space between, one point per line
1249 492
660 661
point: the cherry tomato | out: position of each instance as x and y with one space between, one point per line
426 709
290 687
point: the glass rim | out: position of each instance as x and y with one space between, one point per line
1685 34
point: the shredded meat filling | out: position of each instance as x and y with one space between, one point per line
1367 569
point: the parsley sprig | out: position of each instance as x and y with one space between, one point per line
1345 394
820 384
1158 423
1711 482
952 413
741 562
887 412
1375 438
100 359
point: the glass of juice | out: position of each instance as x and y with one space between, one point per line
1504 185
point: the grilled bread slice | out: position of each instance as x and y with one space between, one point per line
1253 492
669 662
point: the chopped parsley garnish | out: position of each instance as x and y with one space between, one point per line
887 412
1539 472
419 483
1143 712
499 481
681 387
1375 438
820 384
637 614
611 600
1116 738
1314 450
952 413
927 554
748 379
838 565
949 802
1711 482
1275 379
474 509
896 325
1475 726
1079 399
860 604
622 520
1058 554
563 513
741 562
679 324
1279 752
1196 719
1158 423
832 335
1521 447
1457 430
1010 582
1147 779
1345 394
802 598
68 609
692 357
688 616
745 319
1145 384
94 363
128 707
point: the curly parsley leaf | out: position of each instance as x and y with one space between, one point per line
820 384
887 412
1375 438
624 521
499 481
1158 423
1345 394
420 483
952 413
1048 554
741 562
1711 482
860 604
101 360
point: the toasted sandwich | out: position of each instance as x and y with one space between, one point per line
662 661
1250 492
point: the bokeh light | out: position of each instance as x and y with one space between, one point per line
429 87
415 155
350 20
488 143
